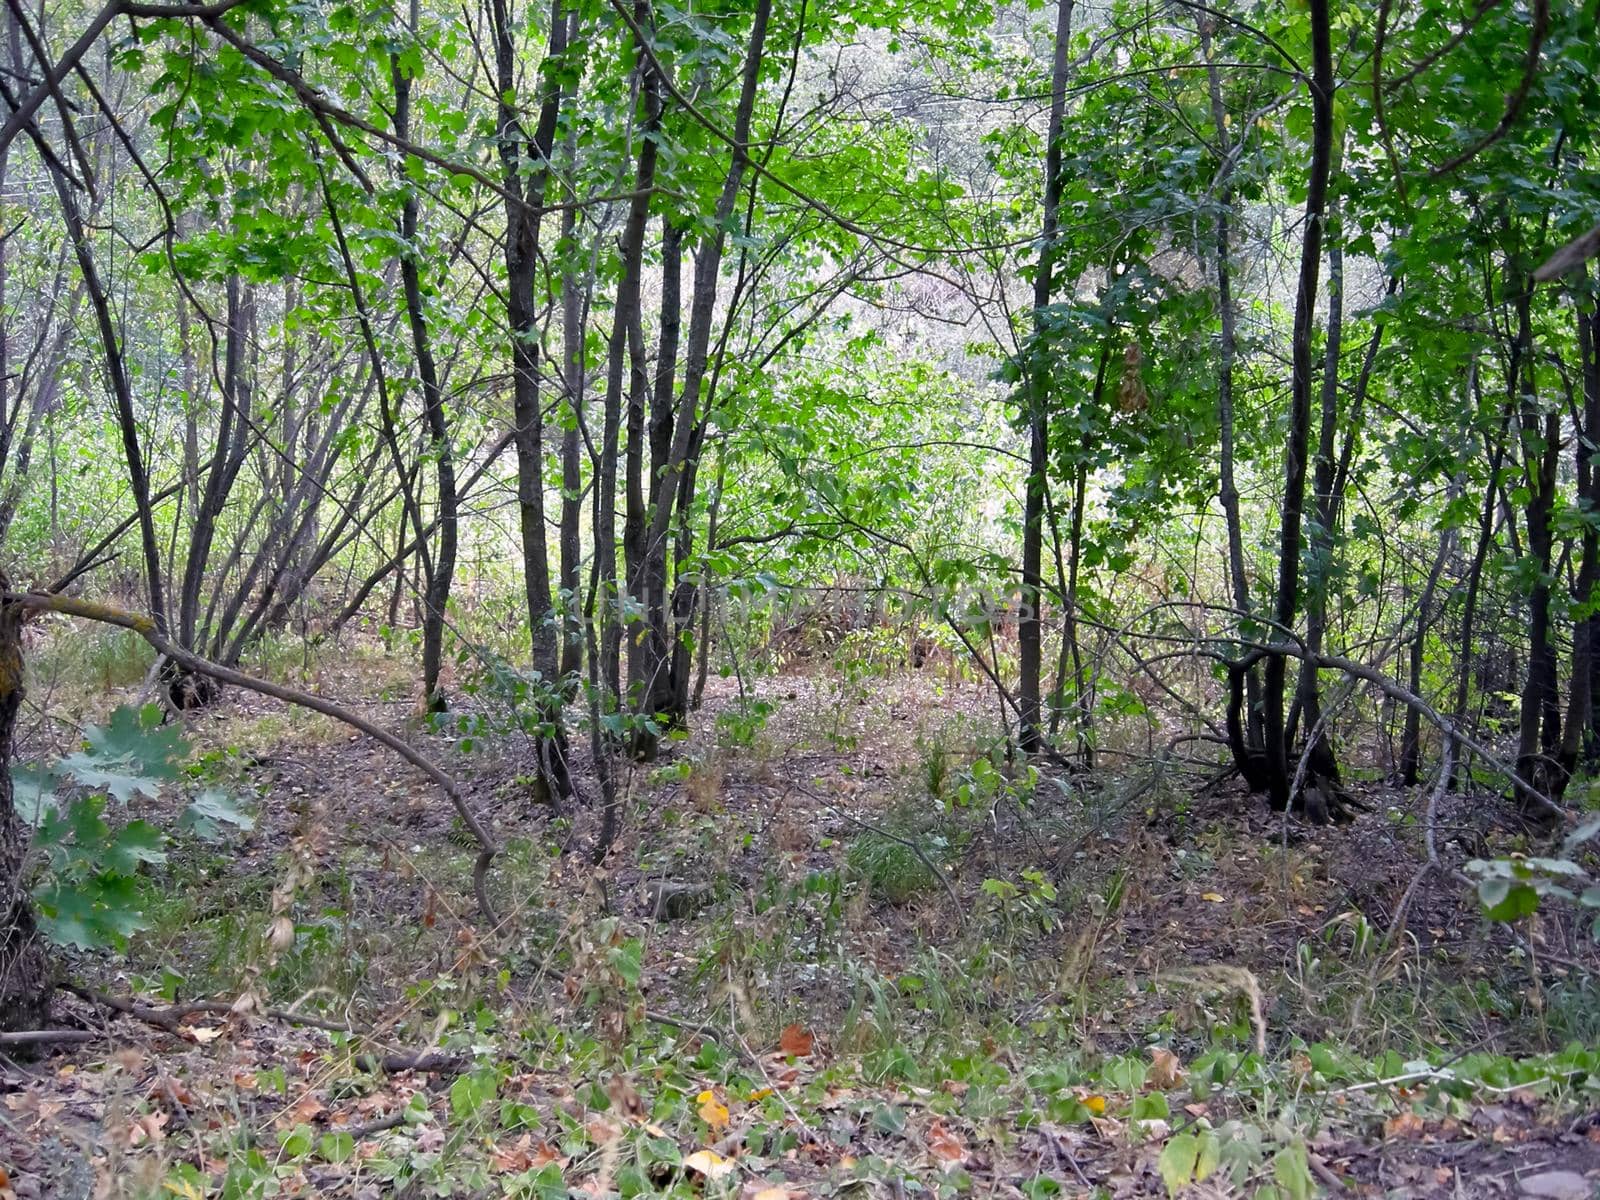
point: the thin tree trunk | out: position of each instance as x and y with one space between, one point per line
1298 444
1249 754
1320 544
572 358
116 367
669 494
1410 762
219 477
1030 618
626 346
1480 555
1578 742
436 596
526 164
1539 738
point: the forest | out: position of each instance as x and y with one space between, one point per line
783 599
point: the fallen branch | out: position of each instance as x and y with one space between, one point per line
427 1061
168 1016
145 628
46 1037
164 1021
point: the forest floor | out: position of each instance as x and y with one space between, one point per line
888 964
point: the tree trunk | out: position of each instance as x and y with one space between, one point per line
26 979
1298 445
526 163
669 492
1411 737
1030 618
436 595
1249 754
572 358
1323 766
1539 730
1578 744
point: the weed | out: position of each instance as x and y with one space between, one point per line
739 724
890 869
94 658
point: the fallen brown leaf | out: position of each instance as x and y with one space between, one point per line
1165 1069
796 1042
945 1147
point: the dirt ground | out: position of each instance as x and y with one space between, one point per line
961 1028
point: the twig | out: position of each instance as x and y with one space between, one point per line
393 1121
1325 1173
721 1036
1430 840
1060 1152
733 1024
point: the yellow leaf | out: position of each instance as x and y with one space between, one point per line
712 1111
760 1094
1214 897
709 1163
1095 1104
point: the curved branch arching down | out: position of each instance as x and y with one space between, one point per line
145 628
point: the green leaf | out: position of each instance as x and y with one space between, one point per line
1179 1161
136 842
1291 1168
889 1118
1151 1106
212 809
132 755
469 1093
1507 899
33 793
336 1147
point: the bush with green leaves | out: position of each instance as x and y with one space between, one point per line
1512 888
86 853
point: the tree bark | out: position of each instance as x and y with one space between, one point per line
526 163
26 976
1578 744
1030 618
1298 444
574 378
1249 754
1539 729
669 495
436 595
1320 544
